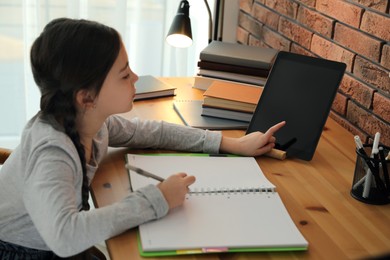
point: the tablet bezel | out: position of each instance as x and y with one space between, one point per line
304 153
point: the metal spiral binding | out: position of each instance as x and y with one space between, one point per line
223 191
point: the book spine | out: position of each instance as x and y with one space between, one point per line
248 79
234 61
232 68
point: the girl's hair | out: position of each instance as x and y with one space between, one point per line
68 56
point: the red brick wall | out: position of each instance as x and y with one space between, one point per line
356 32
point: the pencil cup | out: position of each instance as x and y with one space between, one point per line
371 183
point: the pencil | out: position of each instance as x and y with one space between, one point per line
384 168
144 173
277 154
369 175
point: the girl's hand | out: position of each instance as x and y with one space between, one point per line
175 187
253 144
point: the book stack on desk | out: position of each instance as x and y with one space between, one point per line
236 62
231 101
226 105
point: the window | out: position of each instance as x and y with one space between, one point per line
142 23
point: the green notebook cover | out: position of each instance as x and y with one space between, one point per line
214 251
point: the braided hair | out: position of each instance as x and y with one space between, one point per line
72 55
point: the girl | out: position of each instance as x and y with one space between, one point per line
81 68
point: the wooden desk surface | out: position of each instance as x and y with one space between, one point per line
315 193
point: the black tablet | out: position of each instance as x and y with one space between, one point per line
299 90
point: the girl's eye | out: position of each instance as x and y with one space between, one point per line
127 76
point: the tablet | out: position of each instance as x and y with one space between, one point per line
299 90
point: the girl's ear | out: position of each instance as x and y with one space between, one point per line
85 99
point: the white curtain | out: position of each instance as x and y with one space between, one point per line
143 25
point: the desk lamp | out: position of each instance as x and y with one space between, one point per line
180 34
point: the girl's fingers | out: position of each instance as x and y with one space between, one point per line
273 129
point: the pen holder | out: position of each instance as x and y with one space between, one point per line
371 183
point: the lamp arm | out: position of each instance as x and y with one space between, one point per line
210 21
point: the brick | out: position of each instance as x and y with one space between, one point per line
372 73
266 16
249 24
379 5
285 7
295 48
341 10
310 3
340 104
275 40
357 41
357 90
376 24
246 5
381 106
385 59
242 35
350 127
295 32
253 41
368 122
328 50
316 21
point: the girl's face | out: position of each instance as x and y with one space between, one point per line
118 90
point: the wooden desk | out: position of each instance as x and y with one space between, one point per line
315 193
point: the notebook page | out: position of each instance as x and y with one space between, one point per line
248 220
212 173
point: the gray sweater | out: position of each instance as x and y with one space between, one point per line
40 184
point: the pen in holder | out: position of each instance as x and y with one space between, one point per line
371 183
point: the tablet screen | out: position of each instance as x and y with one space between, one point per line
299 90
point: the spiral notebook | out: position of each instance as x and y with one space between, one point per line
231 207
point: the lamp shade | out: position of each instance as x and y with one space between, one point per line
180 34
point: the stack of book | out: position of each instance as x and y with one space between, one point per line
236 62
231 101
